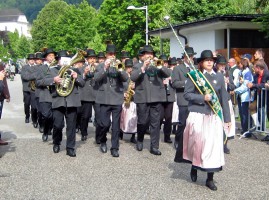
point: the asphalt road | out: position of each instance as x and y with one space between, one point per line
30 170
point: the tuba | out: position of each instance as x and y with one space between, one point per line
67 85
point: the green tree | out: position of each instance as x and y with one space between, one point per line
126 28
45 22
23 47
3 53
74 28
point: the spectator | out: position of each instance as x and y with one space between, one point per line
261 77
4 93
259 56
244 95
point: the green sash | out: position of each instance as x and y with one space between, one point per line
204 87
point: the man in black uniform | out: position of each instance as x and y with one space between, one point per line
64 105
28 94
179 79
110 97
149 93
45 99
87 93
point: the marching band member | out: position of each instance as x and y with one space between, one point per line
220 67
87 93
149 93
179 79
124 55
38 63
110 97
45 99
128 121
101 57
203 135
28 95
167 106
64 106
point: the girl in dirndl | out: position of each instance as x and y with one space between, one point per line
128 119
203 136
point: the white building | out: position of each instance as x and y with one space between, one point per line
229 34
13 19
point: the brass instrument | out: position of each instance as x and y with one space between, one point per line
32 85
118 65
130 93
67 85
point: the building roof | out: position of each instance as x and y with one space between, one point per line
10 15
209 20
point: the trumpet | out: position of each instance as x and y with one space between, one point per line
117 64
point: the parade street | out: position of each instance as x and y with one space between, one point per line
30 170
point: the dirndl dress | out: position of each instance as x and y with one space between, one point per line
203 142
128 119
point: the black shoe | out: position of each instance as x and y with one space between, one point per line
26 120
266 138
211 185
35 125
121 135
248 135
114 153
83 137
226 150
71 152
56 148
41 129
133 140
168 140
103 148
139 146
193 175
155 151
44 137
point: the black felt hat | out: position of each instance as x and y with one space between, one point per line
205 55
110 48
31 56
39 55
125 54
189 51
90 53
148 49
163 57
48 51
221 60
128 63
63 53
101 54
140 53
172 61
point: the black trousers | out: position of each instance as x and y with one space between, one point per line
149 114
106 111
27 103
97 120
182 117
166 113
86 114
70 115
34 115
40 117
46 112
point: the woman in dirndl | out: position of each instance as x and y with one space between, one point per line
221 64
128 119
203 136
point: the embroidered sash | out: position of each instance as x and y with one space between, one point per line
204 87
